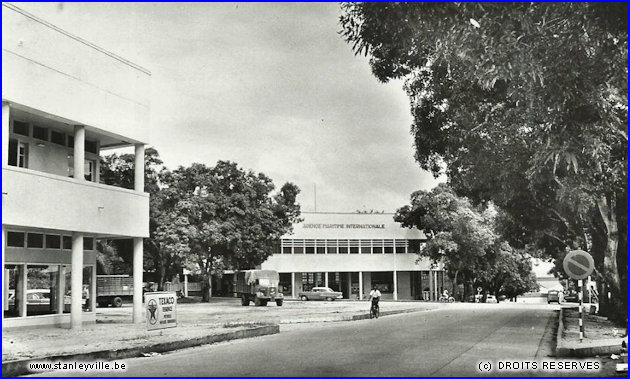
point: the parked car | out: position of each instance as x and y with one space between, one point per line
553 296
571 297
491 299
320 293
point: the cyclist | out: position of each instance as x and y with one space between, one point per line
375 296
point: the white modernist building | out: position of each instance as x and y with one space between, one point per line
64 100
351 252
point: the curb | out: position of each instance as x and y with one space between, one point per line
557 349
349 318
20 367
563 351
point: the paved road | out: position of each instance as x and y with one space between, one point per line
451 341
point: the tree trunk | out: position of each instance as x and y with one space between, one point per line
611 272
454 292
161 276
205 288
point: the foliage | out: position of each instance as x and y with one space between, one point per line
463 237
225 217
522 104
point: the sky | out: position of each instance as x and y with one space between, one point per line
270 86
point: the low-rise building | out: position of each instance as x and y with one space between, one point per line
351 252
64 100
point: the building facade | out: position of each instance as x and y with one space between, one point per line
64 101
351 252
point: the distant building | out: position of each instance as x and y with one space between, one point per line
64 100
351 252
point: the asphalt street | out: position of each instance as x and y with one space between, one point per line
459 340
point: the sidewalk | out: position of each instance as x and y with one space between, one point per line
601 337
115 337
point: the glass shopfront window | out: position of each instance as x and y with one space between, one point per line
13 290
47 291
42 294
384 281
87 294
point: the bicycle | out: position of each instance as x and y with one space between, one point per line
374 310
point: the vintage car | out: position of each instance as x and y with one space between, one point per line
491 299
553 296
320 293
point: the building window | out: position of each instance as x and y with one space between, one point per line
286 249
384 281
70 141
377 246
58 138
15 239
14 275
366 247
331 246
88 243
415 246
40 133
343 247
42 295
90 170
90 147
354 246
66 242
35 240
321 250
20 128
18 153
298 246
87 295
53 241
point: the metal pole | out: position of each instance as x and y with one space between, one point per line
581 322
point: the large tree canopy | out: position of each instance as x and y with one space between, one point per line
464 238
226 217
524 104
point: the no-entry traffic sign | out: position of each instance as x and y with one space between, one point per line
578 264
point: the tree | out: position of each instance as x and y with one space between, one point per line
162 249
521 104
226 217
463 237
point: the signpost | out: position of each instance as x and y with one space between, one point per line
578 264
161 310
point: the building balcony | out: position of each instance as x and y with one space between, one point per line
39 200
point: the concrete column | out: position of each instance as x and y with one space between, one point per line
139 168
93 291
22 284
5 135
395 285
349 285
76 281
435 286
360 285
293 285
325 279
5 292
185 285
79 157
97 164
5 282
430 284
138 311
61 287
